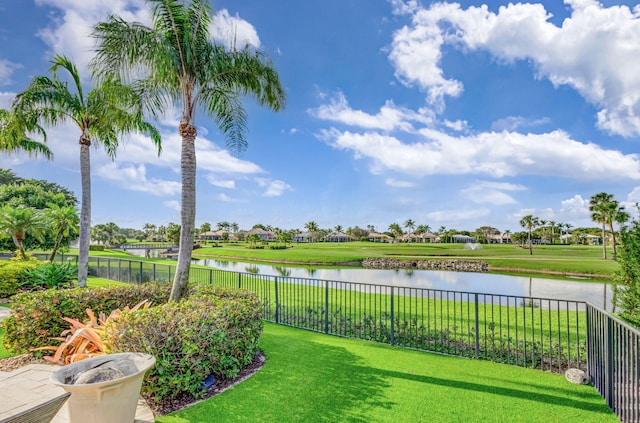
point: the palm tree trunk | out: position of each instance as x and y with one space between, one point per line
85 211
188 211
613 239
56 246
604 243
530 246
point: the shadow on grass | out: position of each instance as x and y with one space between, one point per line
494 390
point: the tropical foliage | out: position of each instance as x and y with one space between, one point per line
14 136
529 222
607 211
103 114
627 280
187 69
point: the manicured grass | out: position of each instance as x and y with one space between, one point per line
559 258
3 351
310 377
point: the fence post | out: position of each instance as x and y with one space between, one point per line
326 307
154 272
109 268
240 284
609 363
140 272
475 299
392 320
210 276
277 300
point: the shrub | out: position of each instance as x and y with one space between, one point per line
626 280
215 331
52 275
13 275
278 247
38 315
94 247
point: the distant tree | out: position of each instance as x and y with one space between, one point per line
235 227
149 230
484 232
285 237
173 233
607 211
205 227
529 222
63 222
312 228
18 221
409 225
371 228
253 239
338 228
395 230
423 229
139 236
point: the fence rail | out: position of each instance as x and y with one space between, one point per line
543 333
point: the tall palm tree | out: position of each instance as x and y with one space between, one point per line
529 222
396 230
338 228
101 115
312 228
188 69
64 222
600 206
552 225
19 221
13 135
615 213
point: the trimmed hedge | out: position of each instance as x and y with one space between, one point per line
38 315
215 331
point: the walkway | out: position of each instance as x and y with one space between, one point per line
29 386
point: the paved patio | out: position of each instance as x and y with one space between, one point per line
29 386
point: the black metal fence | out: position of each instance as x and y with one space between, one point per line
543 333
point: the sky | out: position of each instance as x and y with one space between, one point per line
449 114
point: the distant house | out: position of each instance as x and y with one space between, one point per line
462 239
262 234
499 239
422 238
302 237
376 237
216 235
338 237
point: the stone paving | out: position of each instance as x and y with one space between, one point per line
29 386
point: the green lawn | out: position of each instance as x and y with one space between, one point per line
555 258
309 377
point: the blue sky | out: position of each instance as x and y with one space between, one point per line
450 114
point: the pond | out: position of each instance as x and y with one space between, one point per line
597 293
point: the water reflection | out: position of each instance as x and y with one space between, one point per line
599 294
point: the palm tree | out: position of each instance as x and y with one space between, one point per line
396 230
235 227
603 209
101 115
338 228
64 223
410 225
188 69
19 221
529 222
13 135
552 225
312 228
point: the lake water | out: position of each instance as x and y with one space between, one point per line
597 293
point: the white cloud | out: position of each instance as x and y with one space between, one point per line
172 204
5 99
512 123
490 153
389 118
575 207
274 187
457 217
491 192
398 183
222 183
232 31
6 70
135 179
596 51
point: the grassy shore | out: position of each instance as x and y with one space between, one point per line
549 259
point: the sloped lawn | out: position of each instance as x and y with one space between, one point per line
310 377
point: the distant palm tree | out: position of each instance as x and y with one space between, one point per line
185 67
13 135
19 221
396 230
529 222
235 227
64 222
338 228
605 210
312 228
410 224
101 115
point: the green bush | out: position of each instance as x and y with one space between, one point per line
626 280
38 315
215 331
278 247
96 247
14 274
52 275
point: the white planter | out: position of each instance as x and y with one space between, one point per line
113 401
